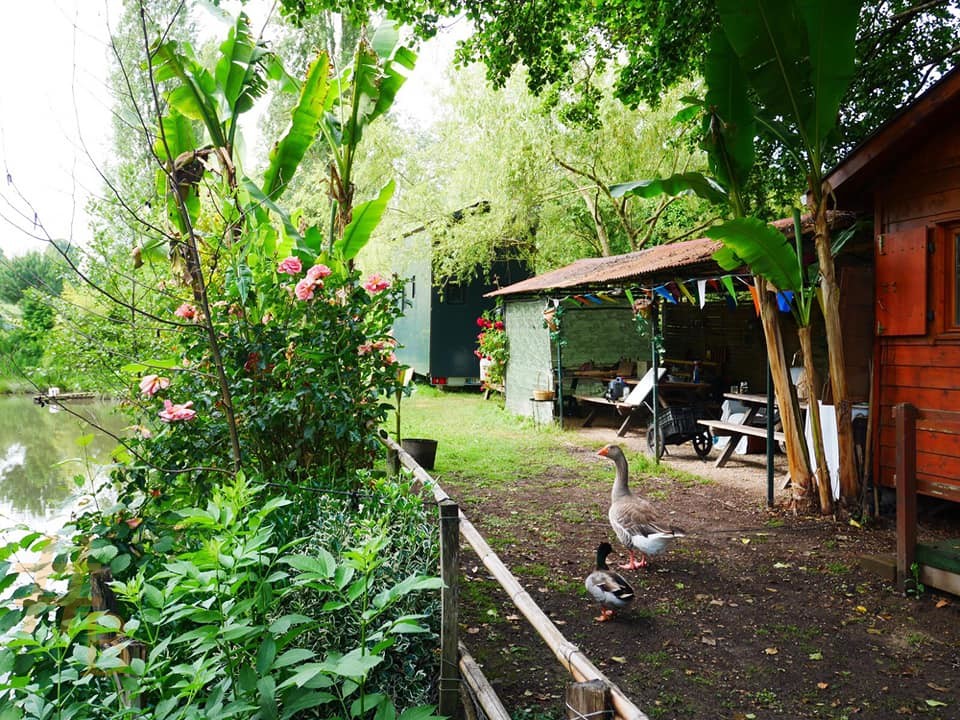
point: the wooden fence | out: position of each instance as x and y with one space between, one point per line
591 694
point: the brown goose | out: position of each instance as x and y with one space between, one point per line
632 518
608 587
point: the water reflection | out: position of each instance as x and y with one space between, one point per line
40 455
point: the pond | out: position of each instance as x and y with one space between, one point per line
43 450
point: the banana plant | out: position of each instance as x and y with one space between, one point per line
799 58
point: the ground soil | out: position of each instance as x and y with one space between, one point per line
757 613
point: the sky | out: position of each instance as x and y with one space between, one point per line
55 113
53 98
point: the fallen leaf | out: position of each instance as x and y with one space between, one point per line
861 609
513 617
823 685
782 566
935 703
618 659
717 602
771 589
745 541
473 630
934 686
855 523
815 656
709 641
942 603
771 651
874 631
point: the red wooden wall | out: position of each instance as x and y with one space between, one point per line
917 352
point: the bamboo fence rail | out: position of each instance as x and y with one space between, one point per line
569 655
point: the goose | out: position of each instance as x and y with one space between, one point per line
608 587
632 518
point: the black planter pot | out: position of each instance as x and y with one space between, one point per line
422 450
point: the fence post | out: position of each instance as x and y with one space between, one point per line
905 416
449 572
589 700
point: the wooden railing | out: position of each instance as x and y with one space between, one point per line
569 655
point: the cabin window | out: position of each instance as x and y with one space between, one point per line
455 294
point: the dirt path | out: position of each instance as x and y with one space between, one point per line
756 614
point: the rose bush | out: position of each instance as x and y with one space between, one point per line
492 346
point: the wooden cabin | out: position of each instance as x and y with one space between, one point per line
906 176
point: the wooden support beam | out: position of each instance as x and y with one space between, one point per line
905 416
449 704
589 699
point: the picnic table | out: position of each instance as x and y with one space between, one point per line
746 426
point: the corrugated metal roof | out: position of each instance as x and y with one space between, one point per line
590 272
648 263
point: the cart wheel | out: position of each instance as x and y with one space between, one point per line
658 450
703 443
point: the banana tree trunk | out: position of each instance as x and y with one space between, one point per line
822 474
830 304
798 462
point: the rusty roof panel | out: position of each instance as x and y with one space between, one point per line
660 259
598 271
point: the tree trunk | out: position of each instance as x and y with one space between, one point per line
797 459
822 474
830 304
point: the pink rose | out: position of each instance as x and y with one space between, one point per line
375 283
186 311
319 272
304 289
290 266
150 385
175 413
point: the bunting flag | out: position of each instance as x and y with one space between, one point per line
665 294
728 284
784 300
594 299
606 298
581 300
686 293
702 292
755 294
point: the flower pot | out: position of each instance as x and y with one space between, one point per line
543 394
485 364
422 450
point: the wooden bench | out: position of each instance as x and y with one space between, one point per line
630 406
629 410
736 431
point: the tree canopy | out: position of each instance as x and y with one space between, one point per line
902 45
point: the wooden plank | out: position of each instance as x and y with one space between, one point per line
941 579
484 693
920 375
921 354
736 429
944 555
906 492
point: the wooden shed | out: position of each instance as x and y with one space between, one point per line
906 176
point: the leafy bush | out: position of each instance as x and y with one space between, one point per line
204 638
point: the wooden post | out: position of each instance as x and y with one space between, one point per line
449 572
589 700
905 415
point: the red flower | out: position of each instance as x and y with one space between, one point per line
498 325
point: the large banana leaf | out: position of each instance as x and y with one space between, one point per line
761 247
240 72
832 30
195 97
798 56
366 217
729 126
304 126
678 184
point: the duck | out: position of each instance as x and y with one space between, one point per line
634 519
608 587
